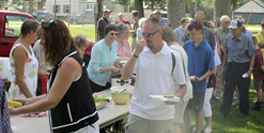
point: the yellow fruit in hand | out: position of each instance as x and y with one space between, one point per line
14 104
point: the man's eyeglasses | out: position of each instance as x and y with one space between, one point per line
227 22
149 34
113 34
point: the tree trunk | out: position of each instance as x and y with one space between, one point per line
176 11
30 9
139 8
152 5
125 8
221 7
99 15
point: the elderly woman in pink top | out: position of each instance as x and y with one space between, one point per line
123 47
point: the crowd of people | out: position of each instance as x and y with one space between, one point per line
193 62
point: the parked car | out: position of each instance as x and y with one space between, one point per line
42 15
163 14
86 17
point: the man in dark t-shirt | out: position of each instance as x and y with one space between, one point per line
135 27
101 23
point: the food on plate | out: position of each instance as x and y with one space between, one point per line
168 95
14 104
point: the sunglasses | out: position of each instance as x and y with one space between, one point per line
262 24
51 21
113 34
149 34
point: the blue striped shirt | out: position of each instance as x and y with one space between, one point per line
239 50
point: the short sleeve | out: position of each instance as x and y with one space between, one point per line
259 59
178 73
210 59
225 46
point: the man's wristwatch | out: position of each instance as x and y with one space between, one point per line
251 68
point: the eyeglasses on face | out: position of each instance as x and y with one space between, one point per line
149 34
262 24
227 22
113 34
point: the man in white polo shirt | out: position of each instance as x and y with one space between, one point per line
156 75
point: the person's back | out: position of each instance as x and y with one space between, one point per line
209 36
180 35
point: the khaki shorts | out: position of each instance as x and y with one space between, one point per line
137 124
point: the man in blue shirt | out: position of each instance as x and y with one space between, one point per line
242 21
239 56
158 16
200 66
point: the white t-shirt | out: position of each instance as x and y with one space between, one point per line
154 78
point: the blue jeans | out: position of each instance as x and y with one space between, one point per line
233 76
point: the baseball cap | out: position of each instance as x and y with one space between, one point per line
107 10
234 24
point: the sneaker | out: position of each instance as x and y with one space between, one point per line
234 97
221 116
257 106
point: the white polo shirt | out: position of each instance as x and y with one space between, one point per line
154 78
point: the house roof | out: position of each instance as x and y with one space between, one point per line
247 6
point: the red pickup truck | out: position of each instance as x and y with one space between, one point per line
10 24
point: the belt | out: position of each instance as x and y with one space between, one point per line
237 64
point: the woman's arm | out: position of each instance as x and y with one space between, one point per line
20 58
42 72
69 70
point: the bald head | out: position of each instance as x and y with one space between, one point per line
224 18
155 23
225 22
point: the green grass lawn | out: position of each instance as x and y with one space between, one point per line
233 123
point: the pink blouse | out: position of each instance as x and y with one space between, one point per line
123 51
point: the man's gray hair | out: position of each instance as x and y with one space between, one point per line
223 18
81 40
241 19
200 12
122 27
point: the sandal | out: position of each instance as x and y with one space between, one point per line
208 130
